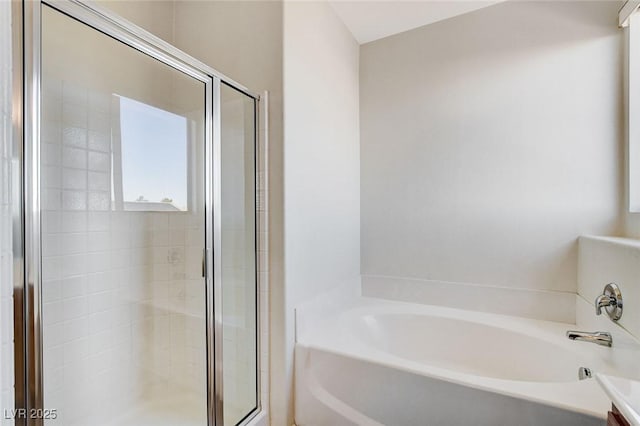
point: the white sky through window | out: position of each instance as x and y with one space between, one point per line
154 154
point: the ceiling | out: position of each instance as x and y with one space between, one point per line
371 20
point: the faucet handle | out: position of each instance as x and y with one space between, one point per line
611 300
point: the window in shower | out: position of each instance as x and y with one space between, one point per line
150 158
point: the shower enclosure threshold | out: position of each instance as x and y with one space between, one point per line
180 409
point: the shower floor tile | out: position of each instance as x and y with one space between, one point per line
176 411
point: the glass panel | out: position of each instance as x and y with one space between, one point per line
238 255
7 204
123 292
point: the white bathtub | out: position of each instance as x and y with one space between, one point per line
394 363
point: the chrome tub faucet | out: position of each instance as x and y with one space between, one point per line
611 301
601 338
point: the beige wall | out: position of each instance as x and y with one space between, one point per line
155 16
490 142
321 161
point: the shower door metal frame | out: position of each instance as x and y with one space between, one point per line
28 325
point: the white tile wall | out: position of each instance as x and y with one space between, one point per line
176 344
6 265
88 311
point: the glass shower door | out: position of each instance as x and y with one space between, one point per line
239 283
122 178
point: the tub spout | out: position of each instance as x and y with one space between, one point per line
601 338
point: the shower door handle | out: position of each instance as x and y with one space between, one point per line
204 263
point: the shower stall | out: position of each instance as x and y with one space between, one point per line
136 297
